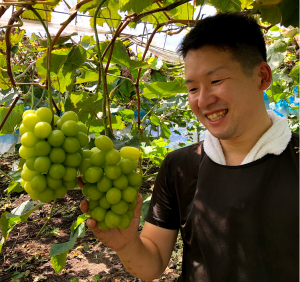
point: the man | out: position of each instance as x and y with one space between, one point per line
234 197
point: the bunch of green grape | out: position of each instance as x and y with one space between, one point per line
111 183
52 155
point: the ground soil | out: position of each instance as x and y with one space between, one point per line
89 260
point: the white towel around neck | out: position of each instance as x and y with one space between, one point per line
273 141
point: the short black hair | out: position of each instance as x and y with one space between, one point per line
236 32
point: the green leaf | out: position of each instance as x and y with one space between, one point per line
295 73
145 207
270 14
126 141
15 38
81 218
7 96
78 96
290 12
155 63
87 76
126 114
14 186
164 89
165 131
246 3
87 41
59 261
279 46
226 6
155 120
136 6
13 120
275 60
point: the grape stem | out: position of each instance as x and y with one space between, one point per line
48 219
101 69
49 49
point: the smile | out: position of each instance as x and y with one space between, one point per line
217 116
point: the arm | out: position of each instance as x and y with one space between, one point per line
145 256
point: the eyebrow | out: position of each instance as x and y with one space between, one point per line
207 74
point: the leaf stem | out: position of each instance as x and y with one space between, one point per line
48 219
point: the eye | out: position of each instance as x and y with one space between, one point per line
216 81
193 89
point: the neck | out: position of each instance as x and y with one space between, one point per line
236 149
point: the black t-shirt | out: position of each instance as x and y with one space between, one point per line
238 223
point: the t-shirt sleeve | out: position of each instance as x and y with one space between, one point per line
163 210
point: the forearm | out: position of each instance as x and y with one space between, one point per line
142 259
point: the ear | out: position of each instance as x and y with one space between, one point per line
265 74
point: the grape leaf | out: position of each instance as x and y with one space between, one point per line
290 12
136 6
13 120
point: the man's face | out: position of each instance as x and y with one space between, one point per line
221 96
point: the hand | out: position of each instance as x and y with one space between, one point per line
115 238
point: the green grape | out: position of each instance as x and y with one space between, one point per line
98 213
23 129
69 116
121 182
130 153
71 145
86 188
83 128
94 193
136 188
34 196
22 183
60 192
57 155
27 187
27 174
125 222
38 183
104 203
83 179
112 171
59 124
120 208
70 128
113 195
130 214
80 151
134 179
129 194
112 157
56 118
86 154
93 174
103 143
30 120
57 171
30 163
89 211
42 129
102 225
132 205
112 220
27 153
46 196
98 158
56 138
28 139
42 148
82 138
95 149
93 204
126 166
42 164
70 174
104 184
53 183
44 114
70 184
84 165
28 112
135 165
72 160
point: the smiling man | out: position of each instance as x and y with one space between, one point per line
235 196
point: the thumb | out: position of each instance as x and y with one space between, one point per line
137 209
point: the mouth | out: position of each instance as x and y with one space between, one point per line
217 116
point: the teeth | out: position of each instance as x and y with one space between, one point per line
217 116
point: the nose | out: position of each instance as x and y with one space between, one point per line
206 98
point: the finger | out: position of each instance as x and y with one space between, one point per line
84 206
92 224
137 209
80 182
